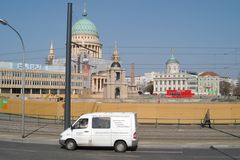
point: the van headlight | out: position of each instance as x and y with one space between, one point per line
61 136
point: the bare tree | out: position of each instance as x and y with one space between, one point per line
225 88
149 87
236 92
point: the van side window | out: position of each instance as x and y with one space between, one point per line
81 124
101 122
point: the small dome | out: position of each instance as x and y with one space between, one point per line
84 26
115 64
209 73
172 60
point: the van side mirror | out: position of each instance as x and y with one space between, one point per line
72 127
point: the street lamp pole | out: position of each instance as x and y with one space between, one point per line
4 22
67 109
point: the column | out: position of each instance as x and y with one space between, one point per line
103 83
96 84
93 89
97 48
100 88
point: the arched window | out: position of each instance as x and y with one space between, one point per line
117 93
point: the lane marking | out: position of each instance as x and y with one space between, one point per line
110 154
17 150
162 152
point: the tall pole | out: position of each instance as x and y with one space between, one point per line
67 109
4 22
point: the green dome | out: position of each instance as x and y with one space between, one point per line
84 26
172 60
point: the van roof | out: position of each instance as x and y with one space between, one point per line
109 113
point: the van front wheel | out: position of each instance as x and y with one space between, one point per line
120 146
71 144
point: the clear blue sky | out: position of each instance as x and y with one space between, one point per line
205 33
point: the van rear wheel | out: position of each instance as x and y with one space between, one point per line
120 146
71 144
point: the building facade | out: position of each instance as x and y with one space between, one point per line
174 79
98 80
39 79
209 84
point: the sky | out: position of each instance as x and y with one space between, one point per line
205 34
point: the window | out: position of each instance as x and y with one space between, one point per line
117 76
81 124
101 122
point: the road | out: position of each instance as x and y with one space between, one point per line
26 151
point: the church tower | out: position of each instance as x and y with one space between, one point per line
172 65
116 87
51 55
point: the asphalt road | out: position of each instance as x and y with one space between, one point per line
26 151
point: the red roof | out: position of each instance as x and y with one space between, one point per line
209 73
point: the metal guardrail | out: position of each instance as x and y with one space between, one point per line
187 121
53 119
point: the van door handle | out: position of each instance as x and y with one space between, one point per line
86 131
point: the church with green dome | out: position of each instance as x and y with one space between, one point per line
84 32
90 64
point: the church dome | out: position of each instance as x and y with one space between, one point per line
172 60
84 26
209 73
115 64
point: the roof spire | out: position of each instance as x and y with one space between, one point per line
85 9
51 46
51 51
51 54
115 53
173 50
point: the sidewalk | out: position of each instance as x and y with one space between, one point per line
164 136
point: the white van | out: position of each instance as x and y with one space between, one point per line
103 129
